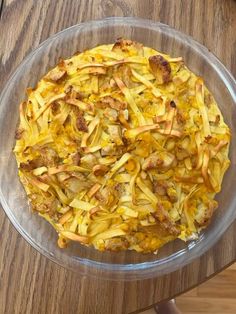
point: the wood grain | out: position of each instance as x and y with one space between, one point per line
29 283
1 8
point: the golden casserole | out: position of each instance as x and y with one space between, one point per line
122 147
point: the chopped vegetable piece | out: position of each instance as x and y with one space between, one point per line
160 68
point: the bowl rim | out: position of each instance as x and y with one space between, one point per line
127 271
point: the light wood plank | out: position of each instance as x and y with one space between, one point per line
206 305
191 293
217 295
224 284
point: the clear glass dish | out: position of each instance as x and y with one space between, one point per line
122 265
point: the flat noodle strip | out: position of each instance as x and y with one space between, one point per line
147 83
120 163
202 107
42 109
152 197
130 100
93 124
133 180
80 104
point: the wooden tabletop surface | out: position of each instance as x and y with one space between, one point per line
30 283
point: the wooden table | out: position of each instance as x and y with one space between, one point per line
29 283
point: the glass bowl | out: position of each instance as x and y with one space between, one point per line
108 265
